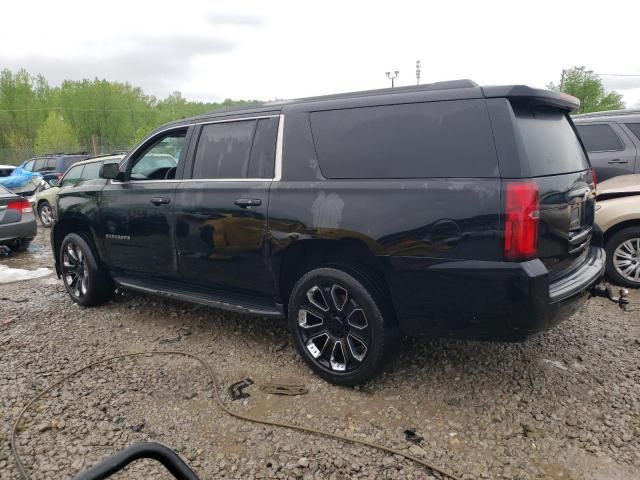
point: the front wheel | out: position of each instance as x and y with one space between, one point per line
87 282
338 326
623 257
45 212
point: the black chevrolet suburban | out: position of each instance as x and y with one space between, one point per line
446 209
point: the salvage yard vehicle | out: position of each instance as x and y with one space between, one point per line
618 216
17 223
80 173
53 166
446 209
612 140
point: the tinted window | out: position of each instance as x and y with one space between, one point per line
263 151
551 145
72 177
159 160
39 165
91 171
5 172
51 164
599 138
66 162
437 139
635 128
223 150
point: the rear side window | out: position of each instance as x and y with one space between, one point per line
263 151
51 164
40 164
599 138
417 140
550 143
635 128
223 150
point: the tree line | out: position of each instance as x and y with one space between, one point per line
96 116
99 116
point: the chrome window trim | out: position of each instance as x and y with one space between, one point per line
278 160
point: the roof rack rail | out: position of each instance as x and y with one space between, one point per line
609 113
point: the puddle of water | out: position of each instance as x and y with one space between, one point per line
10 275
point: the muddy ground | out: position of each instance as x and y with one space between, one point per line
564 405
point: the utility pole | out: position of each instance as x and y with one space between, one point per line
393 77
418 67
562 79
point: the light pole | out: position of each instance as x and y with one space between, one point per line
393 77
418 67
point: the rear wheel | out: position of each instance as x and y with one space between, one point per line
87 282
337 324
623 257
45 212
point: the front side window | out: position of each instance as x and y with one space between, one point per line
91 172
160 159
29 165
72 177
223 150
599 138
51 164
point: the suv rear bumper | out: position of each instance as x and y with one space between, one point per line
488 300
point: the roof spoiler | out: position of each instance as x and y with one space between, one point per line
537 96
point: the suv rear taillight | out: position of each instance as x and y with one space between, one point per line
521 220
23 206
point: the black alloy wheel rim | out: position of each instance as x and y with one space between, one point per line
333 327
75 270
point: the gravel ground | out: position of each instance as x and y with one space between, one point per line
563 405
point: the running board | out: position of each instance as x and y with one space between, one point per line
232 302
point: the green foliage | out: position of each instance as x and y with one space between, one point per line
99 116
587 86
56 135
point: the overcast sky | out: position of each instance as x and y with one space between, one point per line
286 49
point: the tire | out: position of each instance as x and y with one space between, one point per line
45 214
86 280
21 245
623 257
330 306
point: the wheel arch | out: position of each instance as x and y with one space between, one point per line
349 254
620 226
72 224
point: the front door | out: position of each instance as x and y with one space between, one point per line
137 212
221 210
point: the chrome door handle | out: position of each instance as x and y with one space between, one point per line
617 160
160 201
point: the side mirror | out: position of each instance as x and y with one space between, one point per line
110 171
54 182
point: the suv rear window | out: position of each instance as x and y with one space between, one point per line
551 145
599 138
415 140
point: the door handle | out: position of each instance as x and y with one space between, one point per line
618 160
248 202
160 201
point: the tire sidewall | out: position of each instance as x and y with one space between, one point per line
365 298
93 285
40 207
611 246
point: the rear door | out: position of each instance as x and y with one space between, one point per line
555 159
137 213
610 150
221 210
